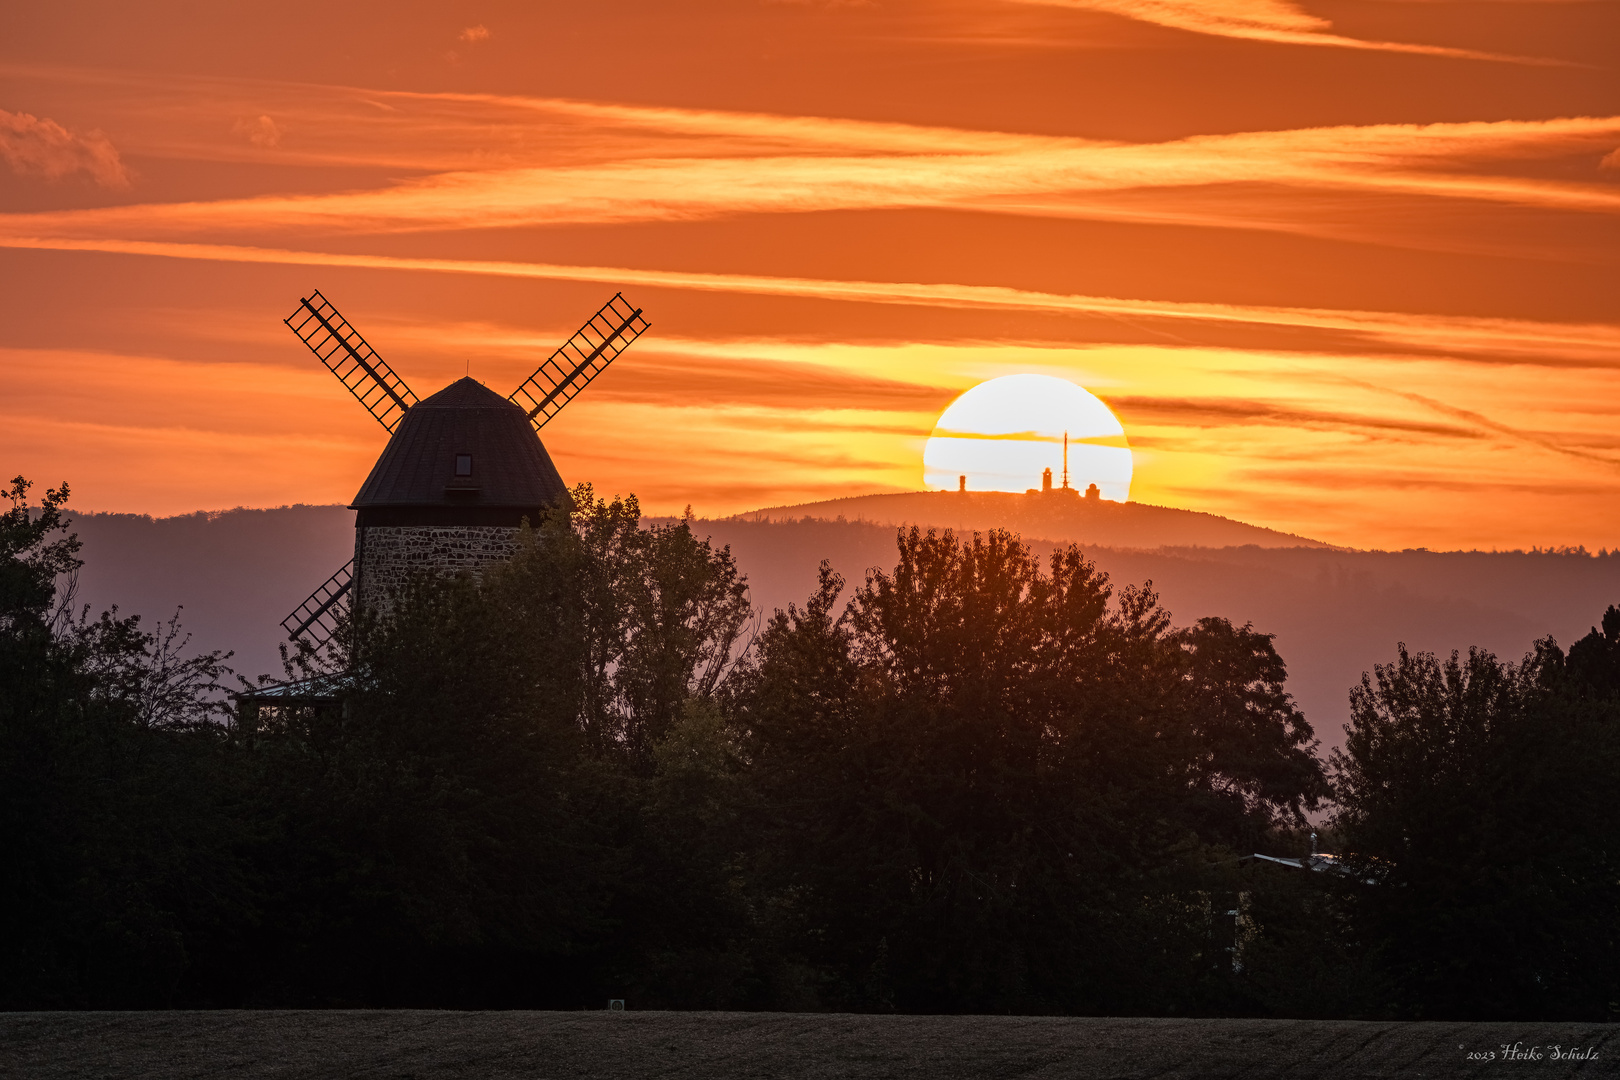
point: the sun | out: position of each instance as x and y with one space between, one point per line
1003 433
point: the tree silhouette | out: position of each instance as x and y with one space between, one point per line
994 785
1478 805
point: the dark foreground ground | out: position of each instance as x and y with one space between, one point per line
718 1046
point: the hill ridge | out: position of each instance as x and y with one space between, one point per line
1046 516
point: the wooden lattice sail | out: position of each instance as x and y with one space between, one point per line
315 620
580 359
346 355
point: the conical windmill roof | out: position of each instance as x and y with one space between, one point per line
509 468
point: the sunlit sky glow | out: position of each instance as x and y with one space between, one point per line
1345 268
1002 434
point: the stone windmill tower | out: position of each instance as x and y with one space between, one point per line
462 468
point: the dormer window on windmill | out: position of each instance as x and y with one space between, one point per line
462 487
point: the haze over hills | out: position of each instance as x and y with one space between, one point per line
1335 612
1055 515
236 573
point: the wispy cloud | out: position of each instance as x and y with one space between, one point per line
1485 423
1227 412
417 134
1261 20
815 165
32 146
447 161
1492 340
261 131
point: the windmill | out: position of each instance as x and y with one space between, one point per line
462 468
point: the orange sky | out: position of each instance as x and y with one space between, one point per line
1347 269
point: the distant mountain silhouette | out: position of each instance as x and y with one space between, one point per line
1335 612
1056 515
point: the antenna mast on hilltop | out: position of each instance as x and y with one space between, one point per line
1065 461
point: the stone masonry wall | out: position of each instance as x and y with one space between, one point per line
386 555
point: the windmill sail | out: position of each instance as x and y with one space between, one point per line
346 354
582 358
316 618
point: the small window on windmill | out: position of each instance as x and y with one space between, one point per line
462 487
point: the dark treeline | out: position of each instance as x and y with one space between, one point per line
979 782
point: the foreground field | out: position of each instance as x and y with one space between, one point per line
716 1046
